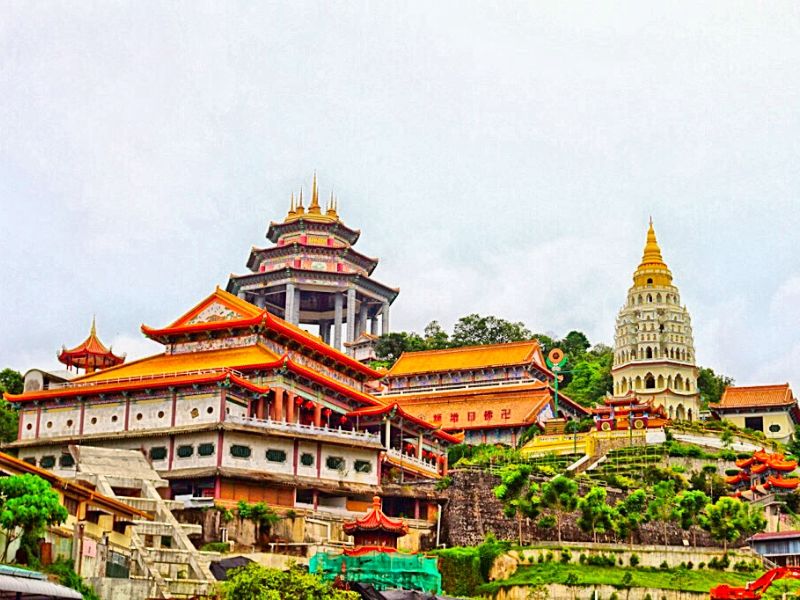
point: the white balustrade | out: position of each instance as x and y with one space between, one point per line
412 460
305 429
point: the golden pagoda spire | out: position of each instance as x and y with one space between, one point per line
300 209
93 330
313 208
331 212
292 209
652 270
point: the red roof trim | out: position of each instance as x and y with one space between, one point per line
383 409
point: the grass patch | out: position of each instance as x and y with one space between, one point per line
620 577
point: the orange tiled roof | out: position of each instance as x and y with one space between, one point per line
756 396
478 408
231 358
468 357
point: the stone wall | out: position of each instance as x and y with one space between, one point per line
472 511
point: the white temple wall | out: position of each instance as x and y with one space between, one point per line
154 413
195 460
59 421
27 419
194 409
104 417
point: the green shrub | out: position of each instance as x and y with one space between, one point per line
548 557
663 566
634 560
222 547
444 483
572 579
488 551
720 564
582 559
65 571
566 556
461 570
547 522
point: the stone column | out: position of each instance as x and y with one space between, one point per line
337 322
373 325
351 314
297 298
325 331
288 312
385 318
419 447
362 319
261 301
388 430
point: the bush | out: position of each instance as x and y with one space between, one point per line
582 559
546 522
702 565
744 566
634 561
663 566
720 564
488 551
572 579
461 570
566 556
444 483
65 571
222 547
548 557
601 560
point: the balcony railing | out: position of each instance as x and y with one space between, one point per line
462 385
344 434
412 460
153 377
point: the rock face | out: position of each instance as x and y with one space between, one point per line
472 511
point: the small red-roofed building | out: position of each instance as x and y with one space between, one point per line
375 531
772 409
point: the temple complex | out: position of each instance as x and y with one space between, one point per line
313 276
653 346
490 393
240 405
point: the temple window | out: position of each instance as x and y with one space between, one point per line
93 421
205 449
139 416
47 462
239 451
29 426
66 461
335 463
69 422
161 414
276 456
49 424
185 451
307 459
649 382
363 466
114 418
31 460
158 453
774 428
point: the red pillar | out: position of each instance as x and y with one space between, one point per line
290 407
174 407
38 419
127 412
83 416
317 414
295 452
260 407
223 398
278 404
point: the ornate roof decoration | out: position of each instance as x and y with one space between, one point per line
652 270
91 354
314 212
376 520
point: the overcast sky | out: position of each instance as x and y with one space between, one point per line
500 158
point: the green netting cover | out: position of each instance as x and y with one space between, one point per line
384 570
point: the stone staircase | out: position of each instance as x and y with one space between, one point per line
161 551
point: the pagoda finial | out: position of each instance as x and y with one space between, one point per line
313 208
292 209
331 212
93 330
652 270
300 209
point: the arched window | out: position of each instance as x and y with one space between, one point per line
649 281
689 415
658 298
638 383
649 353
649 297
671 412
649 381
640 299
623 388
678 382
680 413
660 382
669 382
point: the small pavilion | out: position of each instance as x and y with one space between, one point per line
90 355
375 532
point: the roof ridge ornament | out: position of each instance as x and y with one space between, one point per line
314 208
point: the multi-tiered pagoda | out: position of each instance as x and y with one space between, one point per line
312 275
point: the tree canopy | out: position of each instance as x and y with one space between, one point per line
11 382
254 582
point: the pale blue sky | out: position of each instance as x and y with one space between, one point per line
499 159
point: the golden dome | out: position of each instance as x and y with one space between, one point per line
652 270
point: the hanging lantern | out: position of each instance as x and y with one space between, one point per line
327 412
309 404
342 419
409 448
298 400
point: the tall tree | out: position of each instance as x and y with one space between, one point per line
391 345
27 504
561 496
518 494
711 385
728 519
436 337
631 513
473 330
575 344
662 505
11 382
690 505
595 513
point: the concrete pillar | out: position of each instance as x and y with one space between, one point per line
419 447
288 312
325 331
373 325
297 298
385 318
388 431
337 320
261 301
317 414
351 314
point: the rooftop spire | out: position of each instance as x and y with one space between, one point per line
292 209
314 209
300 209
331 212
652 270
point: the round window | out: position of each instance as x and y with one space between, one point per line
49 424
114 419
29 427
210 410
161 414
774 428
139 416
69 422
94 421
